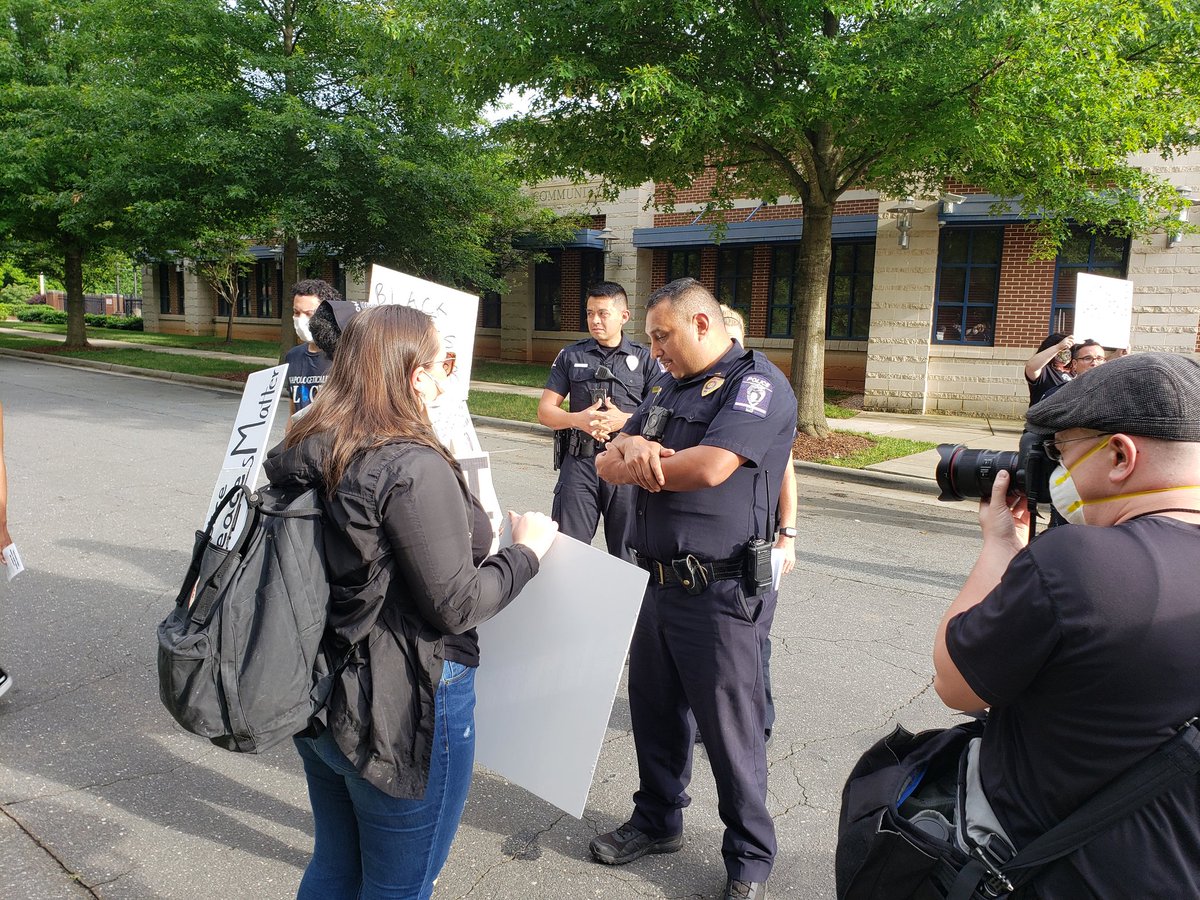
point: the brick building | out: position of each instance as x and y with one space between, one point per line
176 300
944 324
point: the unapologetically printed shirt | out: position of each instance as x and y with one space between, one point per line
306 373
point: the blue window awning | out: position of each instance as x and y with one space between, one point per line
976 209
768 231
583 239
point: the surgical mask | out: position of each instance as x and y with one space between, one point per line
302 329
1065 495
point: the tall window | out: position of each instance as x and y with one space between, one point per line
785 274
547 293
164 289
851 278
968 282
1096 254
735 271
243 299
489 310
591 272
269 283
683 262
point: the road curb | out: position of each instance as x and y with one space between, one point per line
153 374
813 470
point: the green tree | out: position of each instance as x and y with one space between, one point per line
357 145
809 99
97 101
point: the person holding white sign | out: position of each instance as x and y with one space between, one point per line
5 538
406 546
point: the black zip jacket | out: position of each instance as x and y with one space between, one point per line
405 546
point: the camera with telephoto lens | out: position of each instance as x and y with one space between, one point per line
963 473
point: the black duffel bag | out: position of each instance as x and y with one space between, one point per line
901 834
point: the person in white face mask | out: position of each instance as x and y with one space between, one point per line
308 366
1083 644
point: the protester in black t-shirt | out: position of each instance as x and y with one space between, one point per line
308 365
1083 644
1049 368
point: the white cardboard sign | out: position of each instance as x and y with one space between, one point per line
454 312
1103 310
550 664
247 448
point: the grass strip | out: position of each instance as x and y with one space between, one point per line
525 374
139 359
240 347
515 407
883 449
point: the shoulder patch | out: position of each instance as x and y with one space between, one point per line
754 396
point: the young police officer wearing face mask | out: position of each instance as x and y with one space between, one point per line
308 367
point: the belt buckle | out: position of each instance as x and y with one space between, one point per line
691 574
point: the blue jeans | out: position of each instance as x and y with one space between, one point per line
370 845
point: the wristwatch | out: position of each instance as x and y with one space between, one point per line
788 532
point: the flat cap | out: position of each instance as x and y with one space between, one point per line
1149 394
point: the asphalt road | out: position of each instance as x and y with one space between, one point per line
102 795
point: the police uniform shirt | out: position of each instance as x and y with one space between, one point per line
743 404
574 372
306 373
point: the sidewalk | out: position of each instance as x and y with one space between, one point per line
915 473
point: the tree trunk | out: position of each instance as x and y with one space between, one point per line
291 274
808 320
76 328
231 297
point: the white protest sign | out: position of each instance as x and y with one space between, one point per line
550 664
12 561
454 313
247 448
1103 310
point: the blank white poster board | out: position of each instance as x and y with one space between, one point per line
1103 310
550 665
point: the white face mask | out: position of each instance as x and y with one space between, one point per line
302 330
1065 496
1063 493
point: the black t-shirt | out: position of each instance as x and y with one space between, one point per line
1047 383
1088 652
306 373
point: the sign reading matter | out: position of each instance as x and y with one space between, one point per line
1103 310
454 313
247 448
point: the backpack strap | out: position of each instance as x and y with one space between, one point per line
1172 763
203 539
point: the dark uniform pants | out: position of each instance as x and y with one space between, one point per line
704 653
581 497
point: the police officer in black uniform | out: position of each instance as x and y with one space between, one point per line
707 452
606 376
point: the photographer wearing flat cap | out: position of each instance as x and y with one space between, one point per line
1086 643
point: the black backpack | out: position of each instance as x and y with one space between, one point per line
239 657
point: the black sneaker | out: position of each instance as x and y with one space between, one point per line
628 843
5 682
745 890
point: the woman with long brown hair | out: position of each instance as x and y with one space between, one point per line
406 547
